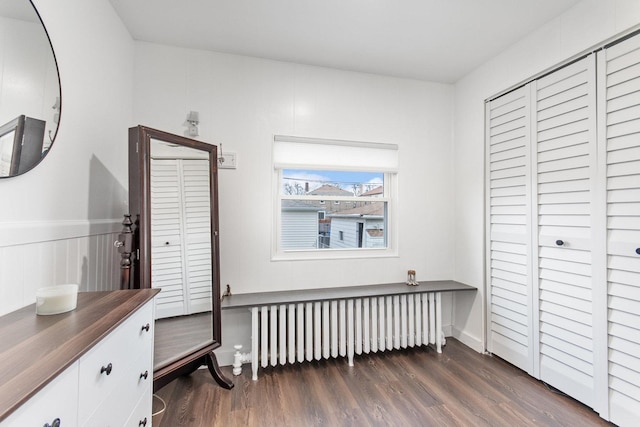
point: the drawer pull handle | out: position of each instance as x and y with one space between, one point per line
106 369
559 243
143 422
638 251
55 423
146 327
144 375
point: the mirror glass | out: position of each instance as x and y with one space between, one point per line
181 249
29 89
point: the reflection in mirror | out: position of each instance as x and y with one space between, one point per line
181 255
29 89
173 202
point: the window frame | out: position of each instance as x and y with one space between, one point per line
390 222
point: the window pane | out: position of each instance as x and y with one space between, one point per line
347 225
328 222
332 183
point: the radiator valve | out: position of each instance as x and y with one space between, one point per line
237 360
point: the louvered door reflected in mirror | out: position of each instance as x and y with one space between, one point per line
173 202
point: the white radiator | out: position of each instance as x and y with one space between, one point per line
306 331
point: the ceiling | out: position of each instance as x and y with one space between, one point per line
433 40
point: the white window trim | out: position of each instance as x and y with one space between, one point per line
389 196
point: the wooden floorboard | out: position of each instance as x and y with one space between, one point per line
415 387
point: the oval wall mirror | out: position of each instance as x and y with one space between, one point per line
29 89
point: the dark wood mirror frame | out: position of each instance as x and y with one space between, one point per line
137 272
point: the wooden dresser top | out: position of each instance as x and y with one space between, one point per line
35 349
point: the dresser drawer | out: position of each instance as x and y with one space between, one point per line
136 382
141 415
113 362
57 400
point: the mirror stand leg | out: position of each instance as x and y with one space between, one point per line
216 373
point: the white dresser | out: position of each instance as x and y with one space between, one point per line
90 367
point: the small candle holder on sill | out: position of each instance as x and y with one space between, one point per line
411 278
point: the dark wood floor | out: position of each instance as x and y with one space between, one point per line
416 387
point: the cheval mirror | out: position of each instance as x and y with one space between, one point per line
173 198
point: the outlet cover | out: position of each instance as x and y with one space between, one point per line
227 160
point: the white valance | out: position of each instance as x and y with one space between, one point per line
292 152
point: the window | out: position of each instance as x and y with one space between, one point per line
333 198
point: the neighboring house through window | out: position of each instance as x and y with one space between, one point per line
334 198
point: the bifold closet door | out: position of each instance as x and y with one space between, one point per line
619 77
197 234
510 326
167 263
181 263
565 162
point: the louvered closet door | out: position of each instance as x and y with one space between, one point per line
508 204
565 132
167 263
197 232
620 70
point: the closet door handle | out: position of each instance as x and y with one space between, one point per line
146 327
143 422
144 375
559 242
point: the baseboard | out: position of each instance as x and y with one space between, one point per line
447 330
469 340
225 357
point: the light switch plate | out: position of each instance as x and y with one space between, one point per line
227 160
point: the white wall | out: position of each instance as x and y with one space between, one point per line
79 189
244 101
580 28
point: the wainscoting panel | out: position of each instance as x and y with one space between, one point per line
89 259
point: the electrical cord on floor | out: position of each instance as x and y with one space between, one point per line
164 406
